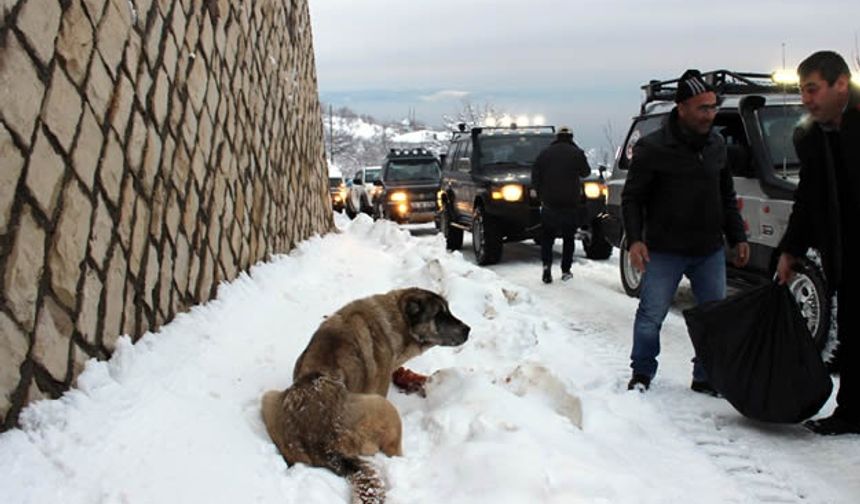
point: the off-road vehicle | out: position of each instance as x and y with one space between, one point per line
757 118
486 190
360 192
407 186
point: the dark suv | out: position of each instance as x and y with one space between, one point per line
407 186
757 118
486 190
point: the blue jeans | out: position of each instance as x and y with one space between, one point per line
663 273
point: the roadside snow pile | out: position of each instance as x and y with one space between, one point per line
175 416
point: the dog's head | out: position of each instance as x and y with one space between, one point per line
430 321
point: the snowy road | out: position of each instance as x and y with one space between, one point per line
771 463
175 416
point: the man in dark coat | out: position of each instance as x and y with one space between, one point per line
678 203
556 178
825 212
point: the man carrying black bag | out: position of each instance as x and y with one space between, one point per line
825 202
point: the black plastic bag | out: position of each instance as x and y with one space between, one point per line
759 354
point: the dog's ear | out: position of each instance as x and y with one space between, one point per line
412 308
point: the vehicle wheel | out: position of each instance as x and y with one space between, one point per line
453 235
631 278
595 243
365 207
810 292
486 239
350 212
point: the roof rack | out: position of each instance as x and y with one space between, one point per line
502 130
726 82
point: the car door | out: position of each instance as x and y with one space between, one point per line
463 185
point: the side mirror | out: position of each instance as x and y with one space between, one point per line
442 159
377 183
357 180
602 169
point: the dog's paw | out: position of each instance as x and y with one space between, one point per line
409 382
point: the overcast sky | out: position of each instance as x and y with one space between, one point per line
574 62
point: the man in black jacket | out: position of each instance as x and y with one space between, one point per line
556 178
677 204
826 207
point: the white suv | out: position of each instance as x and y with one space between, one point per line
360 193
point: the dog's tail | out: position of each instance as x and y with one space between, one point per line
367 485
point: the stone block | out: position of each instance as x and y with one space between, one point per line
62 109
88 317
133 54
151 160
172 216
153 41
45 174
53 337
14 345
143 85
198 166
169 57
139 238
190 212
99 88
114 298
21 90
120 105
160 98
102 233
197 83
113 32
156 222
75 41
151 277
177 25
126 213
165 279
131 308
85 158
13 164
69 244
111 170
181 169
142 7
39 20
182 265
24 268
136 143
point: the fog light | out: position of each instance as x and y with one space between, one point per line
593 190
403 208
397 196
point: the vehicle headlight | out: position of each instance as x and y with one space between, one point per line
508 192
342 193
593 190
397 197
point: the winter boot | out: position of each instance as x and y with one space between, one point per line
639 382
566 275
547 276
833 425
704 387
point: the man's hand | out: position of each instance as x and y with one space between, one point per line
785 268
639 255
742 254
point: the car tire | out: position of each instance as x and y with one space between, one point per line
453 235
350 212
631 279
486 238
595 243
810 291
366 207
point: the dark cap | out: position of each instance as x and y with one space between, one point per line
565 130
691 84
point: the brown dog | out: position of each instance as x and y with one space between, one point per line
336 409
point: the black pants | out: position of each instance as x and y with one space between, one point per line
558 222
848 318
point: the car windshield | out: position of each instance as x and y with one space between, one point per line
400 171
777 126
371 176
511 149
334 181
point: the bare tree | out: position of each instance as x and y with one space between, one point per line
472 115
607 152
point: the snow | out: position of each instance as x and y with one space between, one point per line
175 417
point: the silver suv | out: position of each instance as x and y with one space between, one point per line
757 118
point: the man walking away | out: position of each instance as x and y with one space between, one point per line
677 204
826 201
556 178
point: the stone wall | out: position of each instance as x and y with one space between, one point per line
150 149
